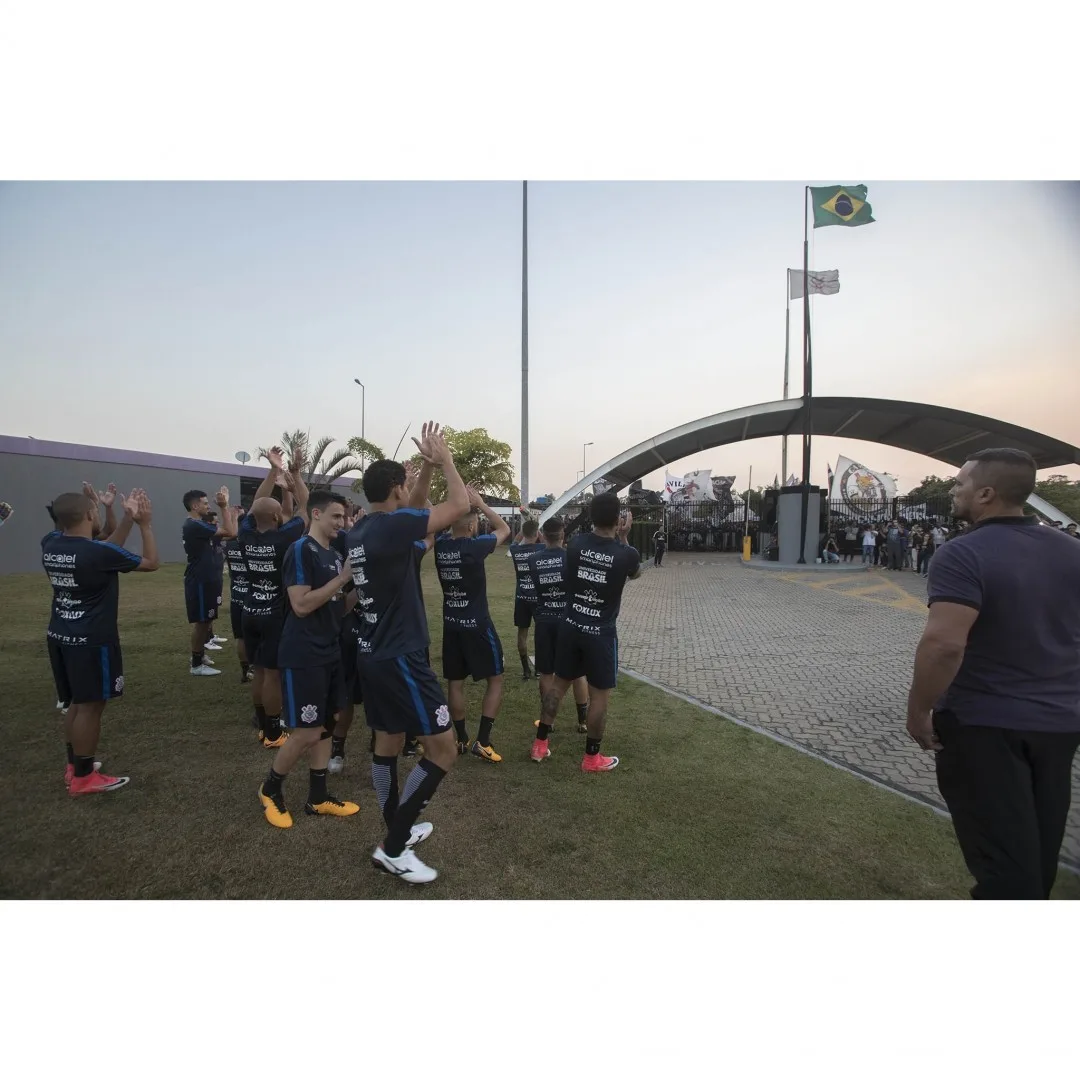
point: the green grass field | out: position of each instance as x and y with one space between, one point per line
699 808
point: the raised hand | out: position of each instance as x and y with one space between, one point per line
107 497
285 481
431 444
476 500
130 503
626 519
143 509
222 497
276 457
90 493
412 473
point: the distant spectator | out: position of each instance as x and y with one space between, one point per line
869 537
1071 529
831 554
894 540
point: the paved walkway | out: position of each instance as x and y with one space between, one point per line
822 659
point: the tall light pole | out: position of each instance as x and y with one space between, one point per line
363 410
583 472
524 343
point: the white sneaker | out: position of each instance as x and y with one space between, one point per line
212 645
406 866
420 832
336 765
203 669
219 640
208 660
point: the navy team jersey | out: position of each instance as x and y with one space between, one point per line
314 639
350 629
238 579
597 568
520 554
202 566
85 587
547 568
264 553
385 552
460 566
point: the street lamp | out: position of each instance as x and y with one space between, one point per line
363 410
583 472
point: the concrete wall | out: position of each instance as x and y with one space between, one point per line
33 473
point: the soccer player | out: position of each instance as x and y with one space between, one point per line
349 641
83 639
202 581
217 546
598 565
402 695
264 537
524 596
471 645
547 568
238 587
309 655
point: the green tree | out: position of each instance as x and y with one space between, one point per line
932 487
316 460
1060 491
366 451
482 461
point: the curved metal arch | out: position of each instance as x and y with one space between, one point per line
948 435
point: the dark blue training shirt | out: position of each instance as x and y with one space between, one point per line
264 554
238 579
1021 667
460 566
202 566
385 552
85 587
597 568
313 640
520 554
547 568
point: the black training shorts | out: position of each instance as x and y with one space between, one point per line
403 696
523 613
201 598
310 696
262 636
478 653
86 673
595 657
547 641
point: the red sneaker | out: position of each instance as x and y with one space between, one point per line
96 782
598 763
69 773
540 750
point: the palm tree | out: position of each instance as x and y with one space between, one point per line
316 461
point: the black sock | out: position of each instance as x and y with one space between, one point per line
317 792
525 663
583 713
384 777
462 731
260 715
483 736
197 658
543 731
70 754
419 788
337 746
272 783
84 766
272 728
592 746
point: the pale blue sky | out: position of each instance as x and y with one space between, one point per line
201 319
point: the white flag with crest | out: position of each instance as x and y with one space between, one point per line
820 283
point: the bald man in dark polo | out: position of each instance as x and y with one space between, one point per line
996 689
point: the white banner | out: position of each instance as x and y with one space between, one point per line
601 486
856 485
820 283
671 485
696 487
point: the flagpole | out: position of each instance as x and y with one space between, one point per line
787 359
525 342
808 413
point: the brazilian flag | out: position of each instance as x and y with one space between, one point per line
840 206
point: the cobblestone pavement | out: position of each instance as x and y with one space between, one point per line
822 659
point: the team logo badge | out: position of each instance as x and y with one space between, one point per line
442 716
309 714
119 684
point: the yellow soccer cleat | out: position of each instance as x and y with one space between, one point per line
487 753
332 807
274 810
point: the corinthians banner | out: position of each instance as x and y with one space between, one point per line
858 487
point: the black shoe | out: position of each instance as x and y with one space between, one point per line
412 748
